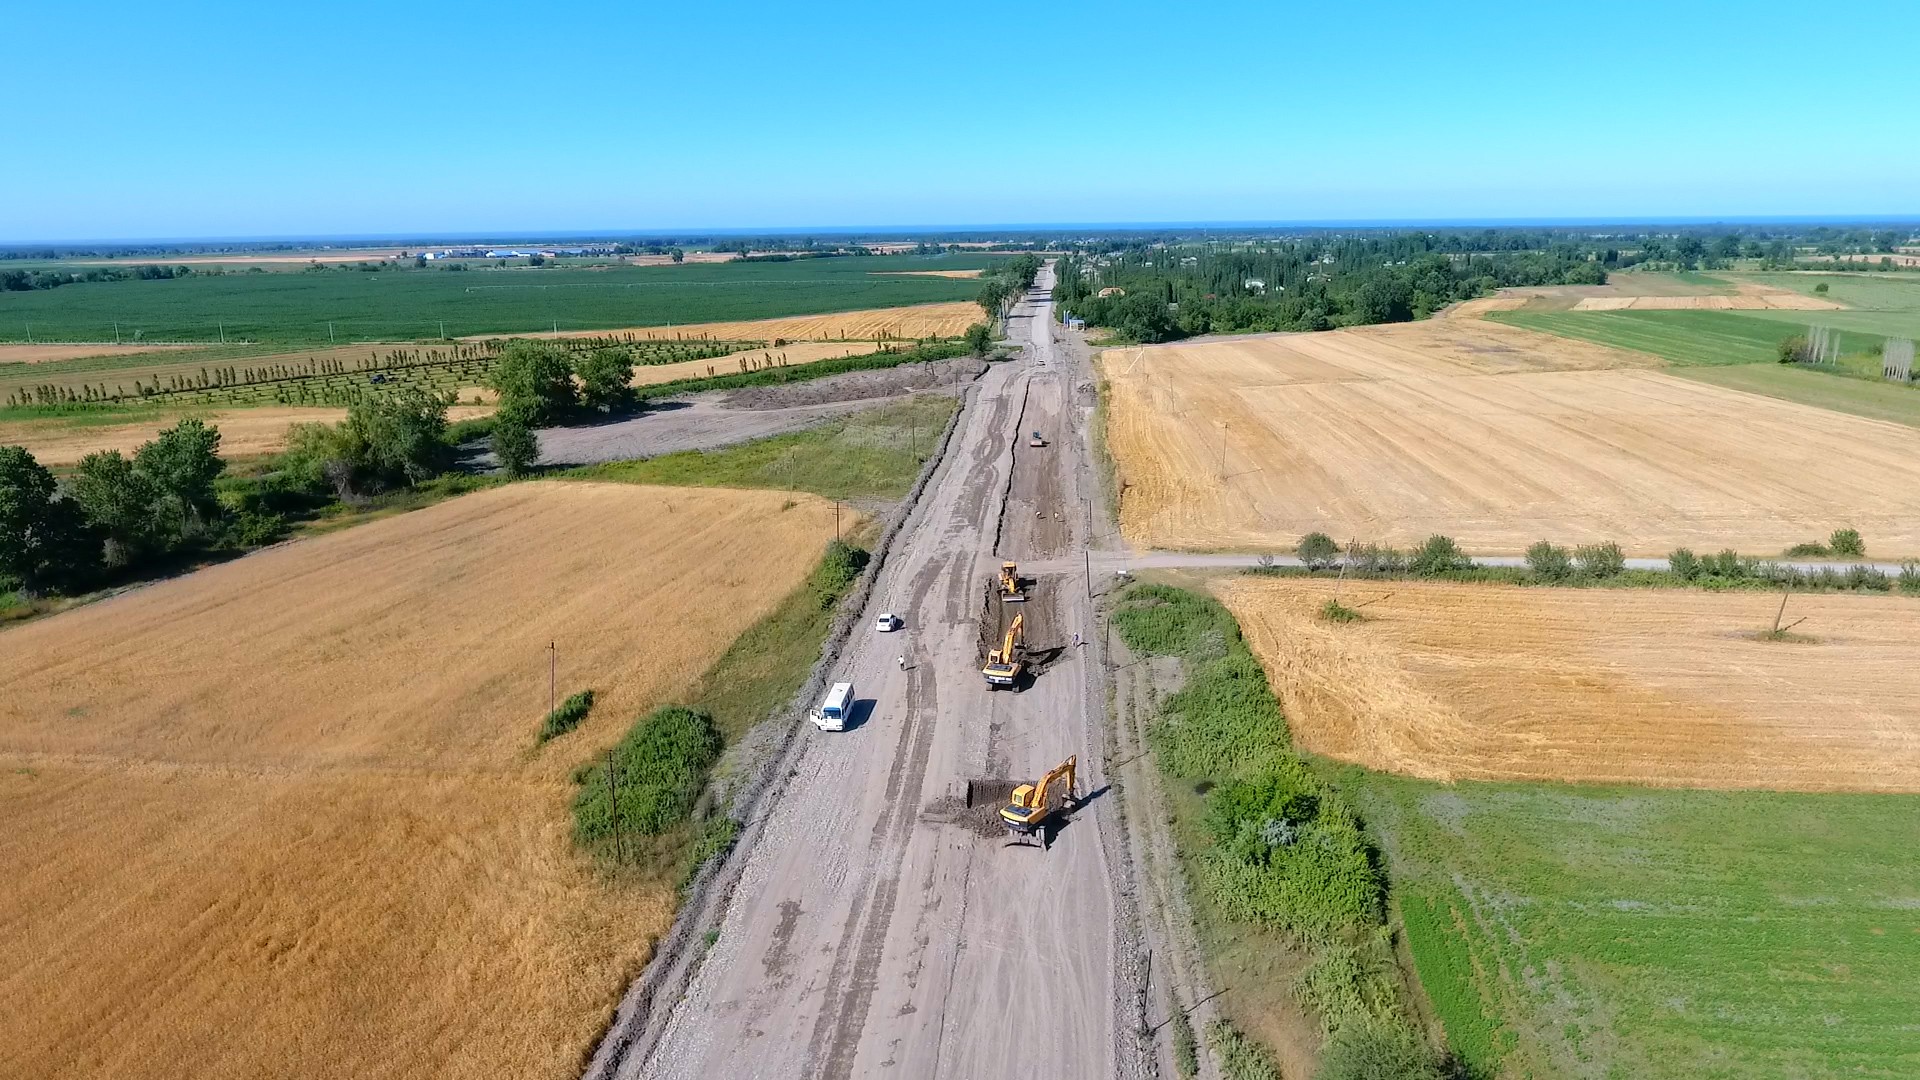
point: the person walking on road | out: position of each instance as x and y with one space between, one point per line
903 661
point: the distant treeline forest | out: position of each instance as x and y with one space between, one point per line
1160 295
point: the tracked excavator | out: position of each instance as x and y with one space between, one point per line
1033 807
1010 589
1005 664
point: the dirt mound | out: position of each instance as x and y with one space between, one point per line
859 385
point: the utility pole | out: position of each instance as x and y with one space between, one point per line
553 672
330 340
443 329
223 333
613 804
116 331
836 519
1086 561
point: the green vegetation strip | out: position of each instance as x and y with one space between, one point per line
1269 845
870 454
567 715
1683 337
1586 931
819 369
1873 399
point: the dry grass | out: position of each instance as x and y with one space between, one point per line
948 319
40 354
1746 297
1669 688
1490 434
928 273
794 355
284 817
58 440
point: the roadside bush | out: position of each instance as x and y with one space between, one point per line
1376 559
1240 1057
1186 1049
1791 349
1807 551
1684 564
1548 562
979 338
1727 564
1334 611
567 715
1867 578
1317 550
838 567
659 768
1438 555
1909 578
514 442
1600 560
1847 542
606 376
1377 1051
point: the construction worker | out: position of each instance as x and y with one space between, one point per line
903 661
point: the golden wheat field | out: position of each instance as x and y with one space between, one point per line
1493 435
1663 687
243 432
286 817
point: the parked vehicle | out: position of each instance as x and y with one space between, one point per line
832 712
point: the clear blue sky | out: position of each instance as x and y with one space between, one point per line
220 118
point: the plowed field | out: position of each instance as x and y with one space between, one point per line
1669 688
1491 434
285 816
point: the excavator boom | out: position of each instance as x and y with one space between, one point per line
1032 807
1003 664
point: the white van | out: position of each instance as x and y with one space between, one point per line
833 712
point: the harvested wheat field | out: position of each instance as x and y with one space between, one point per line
1746 297
948 319
243 432
1493 435
286 817
793 355
929 273
40 354
1663 687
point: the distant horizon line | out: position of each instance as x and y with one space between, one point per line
884 232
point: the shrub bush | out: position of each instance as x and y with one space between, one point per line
659 768
838 567
1438 555
1867 578
1807 551
1847 542
1376 559
1317 550
1684 564
1909 579
1377 1051
1240 1057
1549 563
1336 612
567 715
1600 560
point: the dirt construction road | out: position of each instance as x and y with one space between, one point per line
875 931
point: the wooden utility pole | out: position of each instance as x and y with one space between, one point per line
613 804
553 673
836 519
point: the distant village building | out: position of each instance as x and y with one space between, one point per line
1112 290
1255 285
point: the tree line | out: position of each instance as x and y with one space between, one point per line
1006 283
1168 293
29 280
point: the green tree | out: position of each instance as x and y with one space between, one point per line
677 255
1600 560
606 377
993 297
1437 555
514 442
979 338
43 539
397 437
1317 550
117 500
1549 562
536 378
183 463
1847 542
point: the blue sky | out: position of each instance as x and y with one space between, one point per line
263 119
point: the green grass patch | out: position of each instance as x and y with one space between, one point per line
659 768
871 454
1240 1057
1270 846
1334 611
1874 399
567 715
405 304
1688 338
1590 931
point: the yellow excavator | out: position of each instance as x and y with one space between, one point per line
1010 583
1033 806
1005 664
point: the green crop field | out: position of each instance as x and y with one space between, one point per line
1875 399
1635 933
1687 337
408 304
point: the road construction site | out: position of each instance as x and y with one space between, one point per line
884 919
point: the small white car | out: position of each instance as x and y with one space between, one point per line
888 623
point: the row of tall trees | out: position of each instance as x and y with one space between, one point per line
1006 282
28 280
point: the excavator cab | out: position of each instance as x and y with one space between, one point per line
1004 665
1031 808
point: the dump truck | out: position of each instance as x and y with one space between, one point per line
1035 440
1006 664
1010 589
1034 807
